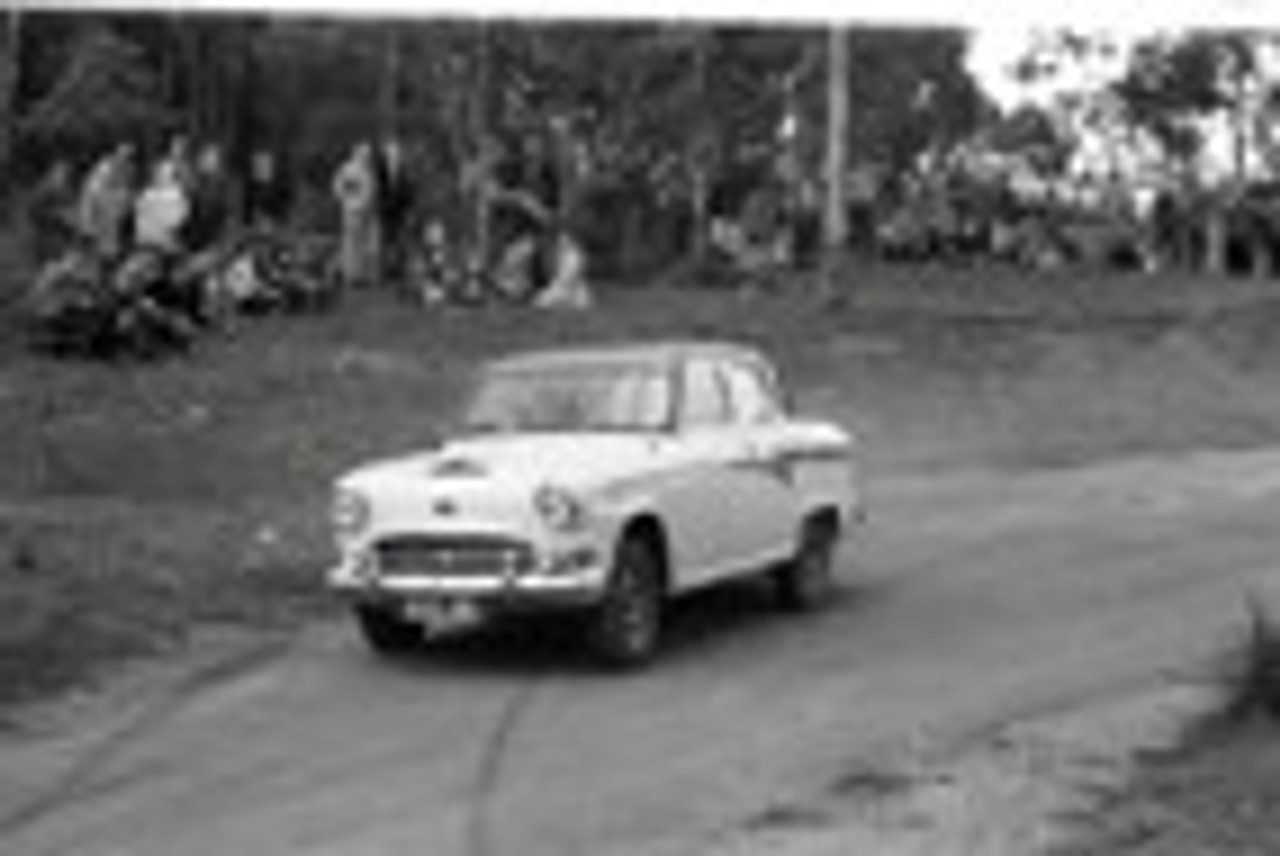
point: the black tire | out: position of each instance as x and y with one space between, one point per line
626 627
385 631
806 582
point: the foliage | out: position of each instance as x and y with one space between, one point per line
911 93
1253 673
1031 134
106 93
671 120
1172 84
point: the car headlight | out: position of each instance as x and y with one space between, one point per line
559 508
350 513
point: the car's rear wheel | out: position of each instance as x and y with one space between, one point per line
626 626
807 580
386 631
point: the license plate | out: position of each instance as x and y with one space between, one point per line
439 615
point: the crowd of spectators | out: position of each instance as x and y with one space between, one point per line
189 242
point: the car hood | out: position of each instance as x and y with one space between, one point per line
583 461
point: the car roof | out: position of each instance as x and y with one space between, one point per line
661 353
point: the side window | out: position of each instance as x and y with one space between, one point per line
751 398
703 398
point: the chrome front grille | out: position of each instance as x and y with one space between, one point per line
452 556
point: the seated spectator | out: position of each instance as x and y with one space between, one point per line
514 276
431 272
51 214
568 288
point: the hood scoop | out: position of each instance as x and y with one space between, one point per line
458 467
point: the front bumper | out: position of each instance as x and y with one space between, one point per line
549 585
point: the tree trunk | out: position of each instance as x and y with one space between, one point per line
1259 259
208 71
700 157
565 170
1215 231
389 85
835 227
240 118
482 132
1239 119
700 221
10 80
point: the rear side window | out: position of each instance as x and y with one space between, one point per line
704 398
750 395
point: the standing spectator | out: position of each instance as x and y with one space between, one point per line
355 188
145 280
106 202
180 162
208 195
395 200
162 210
198 275
50 214
268 194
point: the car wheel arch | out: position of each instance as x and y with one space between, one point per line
825 519
648 527
801 583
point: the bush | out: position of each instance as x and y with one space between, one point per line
1253 677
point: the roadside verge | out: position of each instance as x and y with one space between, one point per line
1014 791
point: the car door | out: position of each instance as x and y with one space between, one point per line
768 513
702 496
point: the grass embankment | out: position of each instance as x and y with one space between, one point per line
139 501
1216 792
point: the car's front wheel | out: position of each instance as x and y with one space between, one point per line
627 624
386 631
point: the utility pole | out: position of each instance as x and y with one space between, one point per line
835 226
482 173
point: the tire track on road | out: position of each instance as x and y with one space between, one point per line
160 706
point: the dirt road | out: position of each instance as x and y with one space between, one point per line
974 598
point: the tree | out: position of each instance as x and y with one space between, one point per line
1172 85
911 93
679 119
106 93
1031 135
1072 73
1175 87
10 70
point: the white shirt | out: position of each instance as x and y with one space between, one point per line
160 212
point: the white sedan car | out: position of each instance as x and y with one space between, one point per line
601 481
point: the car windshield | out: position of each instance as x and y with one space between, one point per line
571 398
